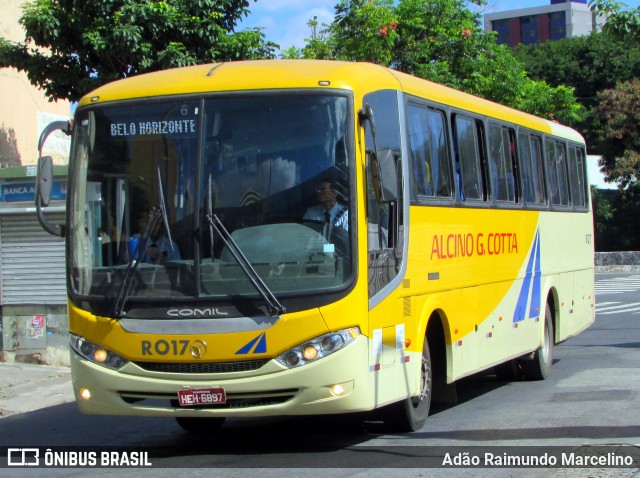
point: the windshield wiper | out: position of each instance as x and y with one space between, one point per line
273 304
135 257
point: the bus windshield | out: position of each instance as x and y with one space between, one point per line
148 176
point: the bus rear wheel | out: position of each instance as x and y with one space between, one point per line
539 368
509 371
200 425
411 413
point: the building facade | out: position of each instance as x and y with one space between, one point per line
32 267
560 19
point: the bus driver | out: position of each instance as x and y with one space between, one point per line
330 213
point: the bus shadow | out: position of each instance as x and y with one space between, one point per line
64 425
470 388
627 345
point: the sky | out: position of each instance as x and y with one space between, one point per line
285 21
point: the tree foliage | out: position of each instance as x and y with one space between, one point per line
73 46
603 211
611 212
618 117
622 22
439 40
589 64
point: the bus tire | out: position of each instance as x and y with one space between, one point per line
509 371
411 413
200 424
539 367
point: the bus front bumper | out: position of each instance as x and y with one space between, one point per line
338 383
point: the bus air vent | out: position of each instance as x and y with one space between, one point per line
205 367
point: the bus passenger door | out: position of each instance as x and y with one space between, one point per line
386 246
384 201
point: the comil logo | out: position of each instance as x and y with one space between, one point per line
23 457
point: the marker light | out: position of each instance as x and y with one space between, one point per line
96 354
85 393
318 348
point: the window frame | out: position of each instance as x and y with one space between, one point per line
480 154
508 157
552 165
539 172
536 145
430 109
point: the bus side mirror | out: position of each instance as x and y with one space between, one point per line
385 176
45 180
44 184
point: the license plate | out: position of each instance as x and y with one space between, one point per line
201 397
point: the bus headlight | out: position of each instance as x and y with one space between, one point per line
318 348
96 354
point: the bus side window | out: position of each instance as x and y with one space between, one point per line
514 167
440 154
557 173
561 155
482 154
577 178
420 152
430 166
468 158
502 182
537 170
526 168
552 173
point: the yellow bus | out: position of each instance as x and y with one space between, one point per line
312 237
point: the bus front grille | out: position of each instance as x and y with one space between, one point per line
234 400
207 367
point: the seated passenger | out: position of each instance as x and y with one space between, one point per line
162 249
159 247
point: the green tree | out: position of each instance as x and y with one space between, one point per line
74 46
603 213
622 22
589 64
439 40
611 212
617 117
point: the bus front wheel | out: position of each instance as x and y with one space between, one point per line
539 368
411 413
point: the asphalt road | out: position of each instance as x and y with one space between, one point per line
592 397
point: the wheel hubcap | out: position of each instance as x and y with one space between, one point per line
546 346
424 379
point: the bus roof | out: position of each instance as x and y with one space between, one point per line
302 74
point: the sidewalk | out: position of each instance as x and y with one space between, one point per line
26 387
